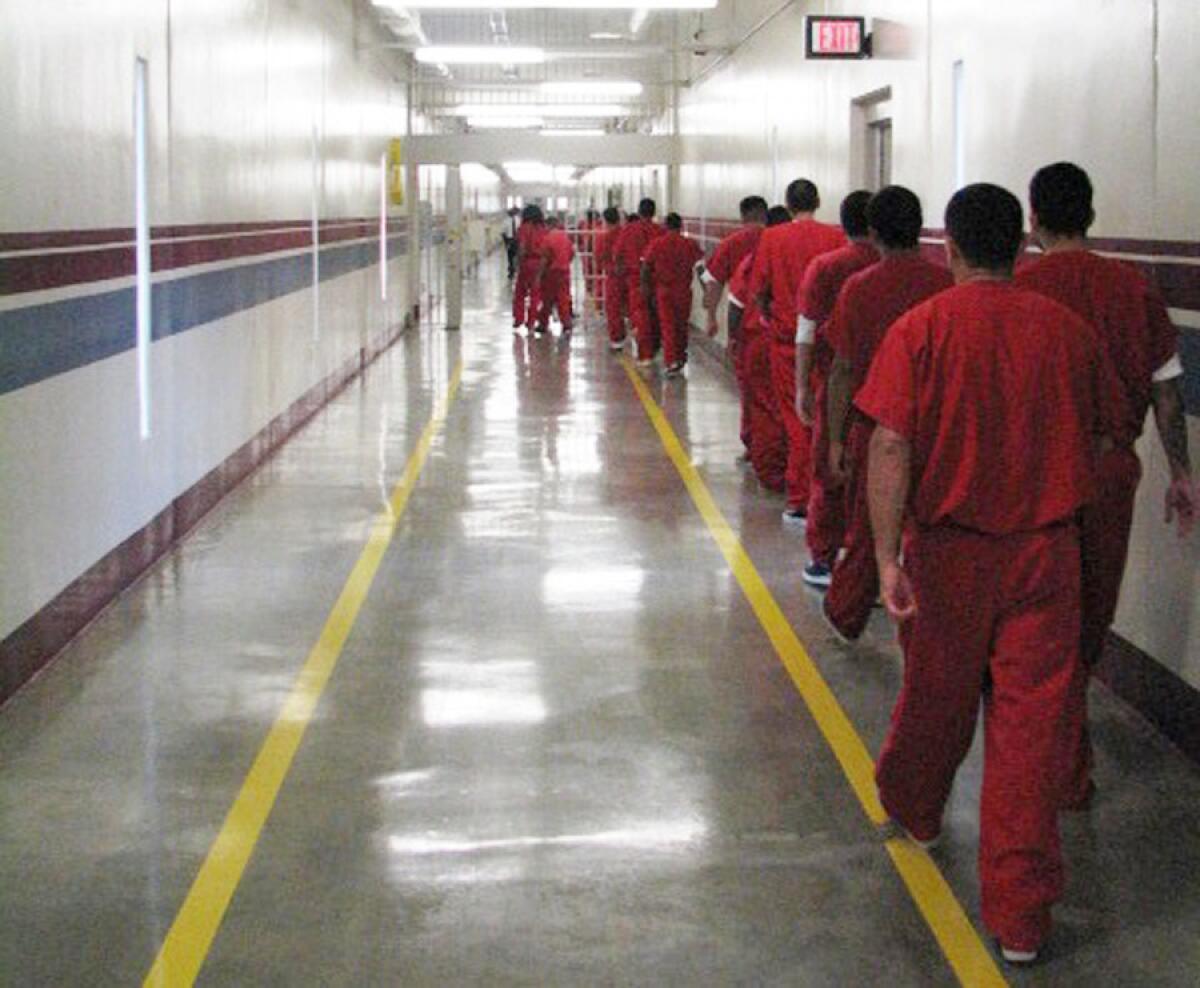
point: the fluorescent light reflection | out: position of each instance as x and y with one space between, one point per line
594 589
481 693
650 836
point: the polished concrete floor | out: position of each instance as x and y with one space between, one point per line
558 748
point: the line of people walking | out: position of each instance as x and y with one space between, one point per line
956 441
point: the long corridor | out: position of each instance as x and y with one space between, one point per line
557 746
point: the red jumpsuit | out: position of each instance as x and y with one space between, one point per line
818 293
671 260
526 293
631 244
868 304
612 296
719 270
999 391
768 446
1140 341
558 252
783 255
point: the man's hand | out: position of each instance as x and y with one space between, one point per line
838 475
896 590
1181 505
804 404
712 326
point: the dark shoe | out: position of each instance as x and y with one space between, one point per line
817 575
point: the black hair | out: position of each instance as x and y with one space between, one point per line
1061 195
802 196
646 209
854 213
752 206
612 215
894 216
531 214
985 222
674 221
777 215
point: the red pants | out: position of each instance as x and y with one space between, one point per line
555 294
615 306
767 442
1103 546
826 527
855 585
526 296
645 326
674 306
998 618
799 436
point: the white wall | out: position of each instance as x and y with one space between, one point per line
236 87
1110 84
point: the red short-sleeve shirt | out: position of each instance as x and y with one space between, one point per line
731 251
557 247
1000 392
604 247
825 277
872 300
782 257
1127 314
672 259
632 242
529 240
739 295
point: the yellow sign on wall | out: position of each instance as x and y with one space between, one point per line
395 172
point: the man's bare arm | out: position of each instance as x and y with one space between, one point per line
1172 431
888 477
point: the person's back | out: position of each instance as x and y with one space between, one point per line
782 258
1116 300
873 299
557 247
635 237
999 446
672 260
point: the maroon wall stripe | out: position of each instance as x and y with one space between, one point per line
34 272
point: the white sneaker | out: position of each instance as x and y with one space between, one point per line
1018 957
796 519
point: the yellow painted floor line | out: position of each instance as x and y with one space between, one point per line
191 935
955 934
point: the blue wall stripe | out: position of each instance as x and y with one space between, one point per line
41 341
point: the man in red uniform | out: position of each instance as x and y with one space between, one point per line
631 244
612 295
989 404
783 255
526 296
557 254
766 442
729 254
718 272
823 280
667 268
1143 346
867 305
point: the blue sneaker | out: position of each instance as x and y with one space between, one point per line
818 575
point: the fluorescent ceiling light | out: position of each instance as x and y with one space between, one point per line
606 36
479 55
504 123
557 110
576 132
638 20
557 4
596 87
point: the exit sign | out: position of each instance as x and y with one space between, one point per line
836 37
